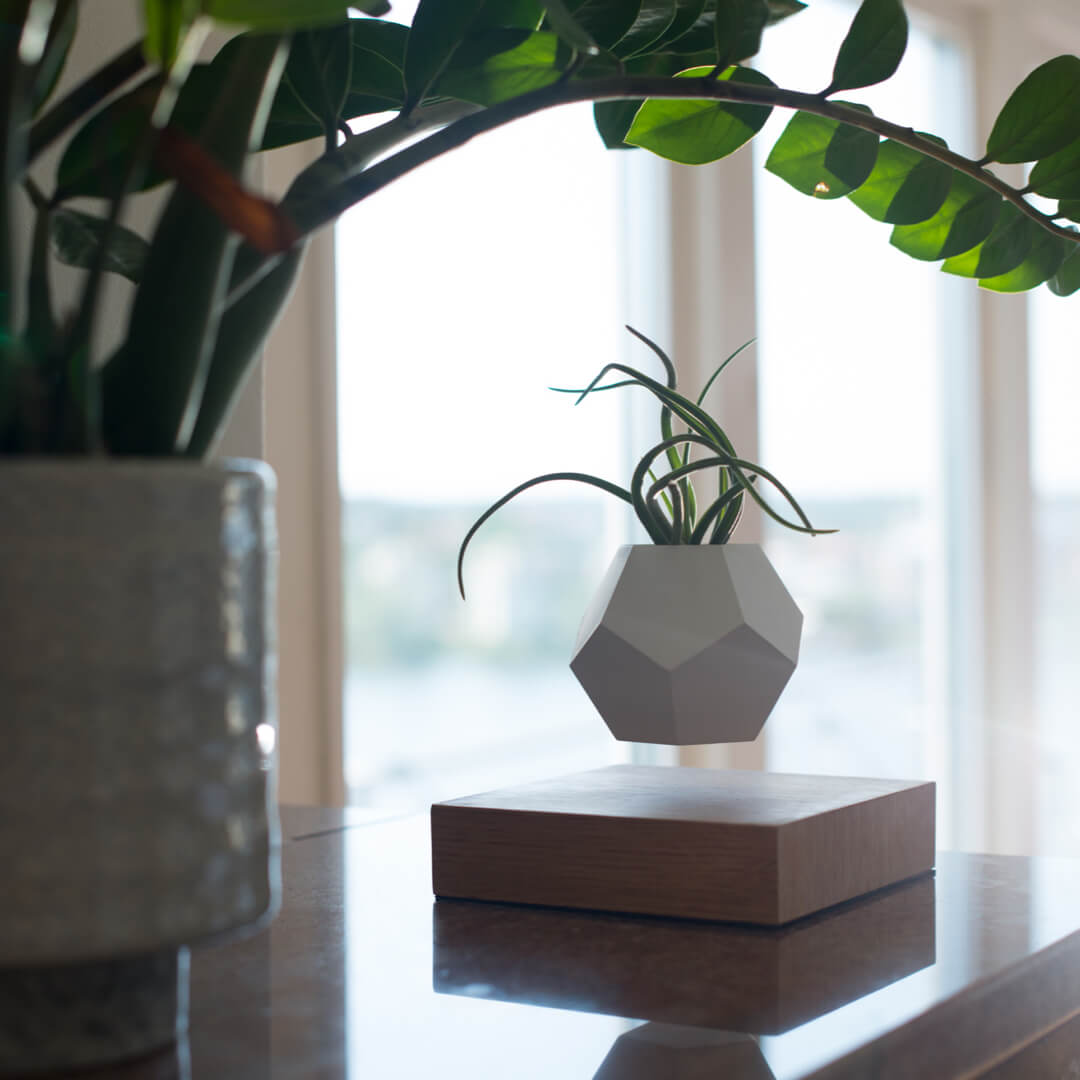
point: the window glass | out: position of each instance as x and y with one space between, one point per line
465 291
1056 476
852 347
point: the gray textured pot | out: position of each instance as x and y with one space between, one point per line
137 704
688 644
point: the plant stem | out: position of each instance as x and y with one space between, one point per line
360 150
345 161
314 210
82 98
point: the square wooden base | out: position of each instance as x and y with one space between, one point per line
730 845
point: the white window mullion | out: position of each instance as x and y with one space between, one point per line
1007 559
714 312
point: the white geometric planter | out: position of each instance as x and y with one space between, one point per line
137 803
688 644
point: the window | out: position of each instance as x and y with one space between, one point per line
1056 477
850 418
448 340
940 620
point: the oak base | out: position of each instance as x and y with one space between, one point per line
729 845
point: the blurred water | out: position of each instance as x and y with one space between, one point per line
457 727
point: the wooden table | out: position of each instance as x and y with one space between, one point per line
972 972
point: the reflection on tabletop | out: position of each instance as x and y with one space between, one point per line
683 1053
749 979
363 977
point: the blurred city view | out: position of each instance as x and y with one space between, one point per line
441 695
445 691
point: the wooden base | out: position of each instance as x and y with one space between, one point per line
728 845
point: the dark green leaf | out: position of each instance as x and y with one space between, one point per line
1067 279
1058 176
613 120
687 13
905 187
822 157
966 218
40 329
1069 208
1043 261
654 19
376 84
242 333
784 9
715 510
696 132
1042 116
737 29
510 14
564 22
1003 250
602 21
378 67
700 37
494 68
703 36
97 157
95 161
167 22
874 46
180 298
288 14
319 72
437 31
76 238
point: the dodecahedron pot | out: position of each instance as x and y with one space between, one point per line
688 644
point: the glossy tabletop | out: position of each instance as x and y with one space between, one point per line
974 971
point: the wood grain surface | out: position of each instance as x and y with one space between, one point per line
728 845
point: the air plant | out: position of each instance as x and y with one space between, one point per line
667 505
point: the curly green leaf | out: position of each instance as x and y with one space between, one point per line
581 478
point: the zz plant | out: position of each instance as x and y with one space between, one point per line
667 75
667 505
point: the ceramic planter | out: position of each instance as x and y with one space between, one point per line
136 782
688 644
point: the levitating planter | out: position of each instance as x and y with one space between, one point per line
690 639
688 644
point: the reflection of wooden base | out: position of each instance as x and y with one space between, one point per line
683 1053
757 979
697 843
